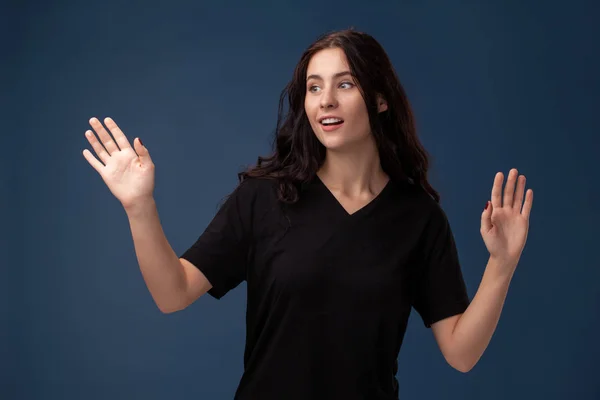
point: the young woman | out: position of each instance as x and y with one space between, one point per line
338 234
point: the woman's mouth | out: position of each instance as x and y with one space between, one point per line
331 124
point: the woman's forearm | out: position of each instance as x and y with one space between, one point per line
475 327
159 264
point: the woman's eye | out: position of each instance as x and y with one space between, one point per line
344 85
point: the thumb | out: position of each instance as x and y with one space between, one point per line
141 151
486 217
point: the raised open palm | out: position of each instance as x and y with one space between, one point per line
127 171
505 220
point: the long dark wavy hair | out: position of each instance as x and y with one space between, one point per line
298 154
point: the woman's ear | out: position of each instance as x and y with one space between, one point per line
381 104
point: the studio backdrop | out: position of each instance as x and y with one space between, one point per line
494 85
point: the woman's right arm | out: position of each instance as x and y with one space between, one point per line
129 174
174 283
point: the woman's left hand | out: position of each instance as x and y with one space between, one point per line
505 222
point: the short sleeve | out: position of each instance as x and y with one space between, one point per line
221 251
440 289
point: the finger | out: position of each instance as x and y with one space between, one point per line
518 202
528 203
509 189
117 133
497 190
486 217
97 165
142 151
97 146
105 138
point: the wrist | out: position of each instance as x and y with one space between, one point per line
501 268
140 207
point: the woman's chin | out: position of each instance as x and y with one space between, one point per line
341 143
334 143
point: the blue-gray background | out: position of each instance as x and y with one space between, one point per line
494 85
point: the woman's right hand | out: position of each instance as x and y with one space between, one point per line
127 171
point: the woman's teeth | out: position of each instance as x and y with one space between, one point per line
331 121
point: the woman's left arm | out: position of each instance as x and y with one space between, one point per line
504 228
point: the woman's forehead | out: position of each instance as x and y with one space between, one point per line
328 63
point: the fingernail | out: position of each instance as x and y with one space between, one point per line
487 203
141 141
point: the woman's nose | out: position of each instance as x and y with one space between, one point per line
328 99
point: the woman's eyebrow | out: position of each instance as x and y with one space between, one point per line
315 76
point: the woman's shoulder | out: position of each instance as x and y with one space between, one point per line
256 190
257 202
253 186
420 200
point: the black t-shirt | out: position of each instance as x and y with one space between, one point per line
329 293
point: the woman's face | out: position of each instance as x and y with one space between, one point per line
332 92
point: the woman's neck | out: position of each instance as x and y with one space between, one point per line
354 172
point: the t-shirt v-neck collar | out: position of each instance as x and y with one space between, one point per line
364 209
